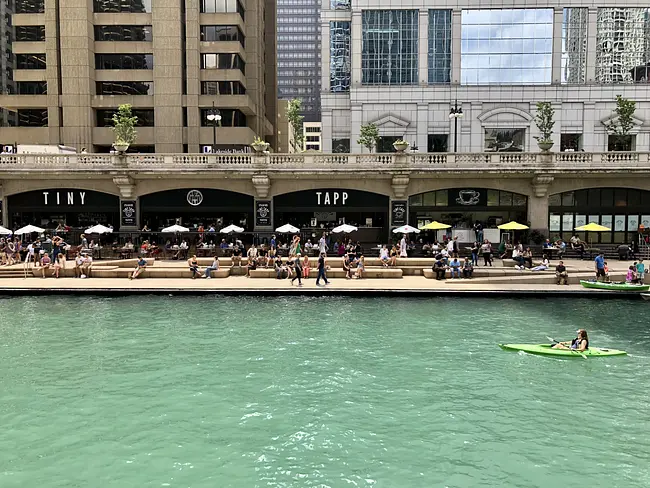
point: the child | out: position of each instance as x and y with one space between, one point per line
305 267
630 277
606 272
640 271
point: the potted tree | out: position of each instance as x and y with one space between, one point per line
259 145
544 122
124 128
400 145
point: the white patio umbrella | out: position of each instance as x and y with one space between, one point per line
406 229
345 228
287 229
175 228
4 231
232 228
99 229
28 229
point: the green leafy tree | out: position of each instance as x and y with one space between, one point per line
124 125
619 129
544 121
295 119
368 136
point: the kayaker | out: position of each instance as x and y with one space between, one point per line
580 343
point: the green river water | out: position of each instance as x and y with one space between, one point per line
319 392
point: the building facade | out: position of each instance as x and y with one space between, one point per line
404 68
299 51
313 136
6 59
75 62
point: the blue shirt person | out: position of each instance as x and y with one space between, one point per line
600 266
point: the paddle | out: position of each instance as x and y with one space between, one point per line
572 350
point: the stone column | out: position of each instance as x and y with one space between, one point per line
259 207
538 204
423 47
476 128
589 138
128 200
326 134
556 70
592 28
456 19
356 119
422 127
356 46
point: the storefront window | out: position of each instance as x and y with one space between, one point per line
505 199
442 198
504 140
493 198
429 199
567 199
416 200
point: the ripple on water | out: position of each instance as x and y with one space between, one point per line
318 392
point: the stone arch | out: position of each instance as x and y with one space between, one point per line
282 187
16 187
495 112
148 187
564 185
520 186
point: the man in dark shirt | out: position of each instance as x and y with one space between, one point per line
321 270
561 274
297 267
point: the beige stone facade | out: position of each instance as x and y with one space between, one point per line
174 73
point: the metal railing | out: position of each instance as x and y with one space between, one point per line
566 161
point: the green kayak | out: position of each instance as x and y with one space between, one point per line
547 350
620 286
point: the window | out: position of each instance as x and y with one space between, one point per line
340 56
30 6
622 43
222 88
145 117
30 61
506 46
574 45
124 87
229 118
32 118
223 61
30 33
31 88
504 140
211 33
570 142
621 143
389 47
439 46
437 143
123 61
340 4
221 6
132 6
123 33
312 129
340 146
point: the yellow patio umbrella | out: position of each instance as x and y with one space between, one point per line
513 226
592 227
435 225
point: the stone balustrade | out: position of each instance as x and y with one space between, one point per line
318 162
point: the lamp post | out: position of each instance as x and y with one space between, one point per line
456 113
214 116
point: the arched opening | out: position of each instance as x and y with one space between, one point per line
463 207
623 210
192 207
319 210
73 208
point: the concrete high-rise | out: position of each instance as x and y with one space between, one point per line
299 51
75 62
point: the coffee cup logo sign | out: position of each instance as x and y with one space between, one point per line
398 210
64 198
128 212
194 198
263 213
468 197
331 198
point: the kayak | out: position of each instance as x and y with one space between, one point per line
645 296
547 350
620 286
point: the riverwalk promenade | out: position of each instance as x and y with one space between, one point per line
501 281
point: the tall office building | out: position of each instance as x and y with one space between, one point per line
299 50
77 61
6 58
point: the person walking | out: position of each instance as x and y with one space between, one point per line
322 244
599 264
403 247
297 267
321 270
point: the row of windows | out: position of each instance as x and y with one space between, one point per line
295 64
441 198
297 55
298 28
31 61
222 88
145 117
222 61
124 88
305 37
601 198
298 11
210 33
222 6
229 118
123 61
30 33
31 88
299 72
296 81
298 46
298 2
123 33
114 6
313 129
35 117
29 6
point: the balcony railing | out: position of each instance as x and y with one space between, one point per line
483 162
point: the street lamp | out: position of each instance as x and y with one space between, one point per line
214 116
456 113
